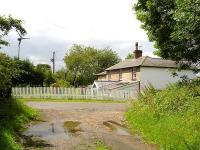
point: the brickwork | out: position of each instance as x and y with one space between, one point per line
126 75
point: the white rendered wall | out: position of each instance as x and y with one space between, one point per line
161 77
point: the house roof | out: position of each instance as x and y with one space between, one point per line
101 84
159 62
145 61
111 85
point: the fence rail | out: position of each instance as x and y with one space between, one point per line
72 93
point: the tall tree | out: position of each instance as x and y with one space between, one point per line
106 58
83 62
7 24
130 56
174 26
63 78
46 75
7 71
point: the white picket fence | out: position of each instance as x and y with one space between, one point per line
72 93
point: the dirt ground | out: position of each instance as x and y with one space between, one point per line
80 126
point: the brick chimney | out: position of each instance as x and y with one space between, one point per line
137 52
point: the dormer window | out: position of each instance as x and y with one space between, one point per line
134 74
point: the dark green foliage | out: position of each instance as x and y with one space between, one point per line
5 77
15 72
49 79
169 118
62 78
83 62
174 27
45 77
27 74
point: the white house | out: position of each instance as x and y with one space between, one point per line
143 70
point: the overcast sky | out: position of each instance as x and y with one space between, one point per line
54 25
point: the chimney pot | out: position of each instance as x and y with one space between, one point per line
136 46
137 52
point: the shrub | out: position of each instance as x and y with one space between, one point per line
5 84
61 83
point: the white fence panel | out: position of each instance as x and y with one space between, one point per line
74 93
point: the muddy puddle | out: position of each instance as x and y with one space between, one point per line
50 131
72 128
46 133
117 128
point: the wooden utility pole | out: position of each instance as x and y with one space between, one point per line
19 44
53 62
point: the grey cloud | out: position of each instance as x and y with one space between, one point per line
123 47
39 49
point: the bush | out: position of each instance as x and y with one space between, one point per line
61 83
5 84
13 115
169 118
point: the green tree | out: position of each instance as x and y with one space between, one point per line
7 24
7 71
61 74
46 75
26 73
174 27
130 56
23 72
49 79
106 58
63 78
83 62
5 85
43 67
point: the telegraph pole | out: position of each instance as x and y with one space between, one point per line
19 44
53 62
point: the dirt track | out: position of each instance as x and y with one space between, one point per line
96 121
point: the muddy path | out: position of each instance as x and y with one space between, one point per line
79 126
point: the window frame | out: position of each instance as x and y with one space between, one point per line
134 73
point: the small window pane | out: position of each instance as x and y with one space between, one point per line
134 74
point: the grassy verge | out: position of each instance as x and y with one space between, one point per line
169 118
67 100
13 115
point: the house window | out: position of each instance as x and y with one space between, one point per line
134 74
120 74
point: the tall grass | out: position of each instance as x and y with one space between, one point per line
13 115
169 118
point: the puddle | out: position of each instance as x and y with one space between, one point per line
72 127
52 131
117 128
47 131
